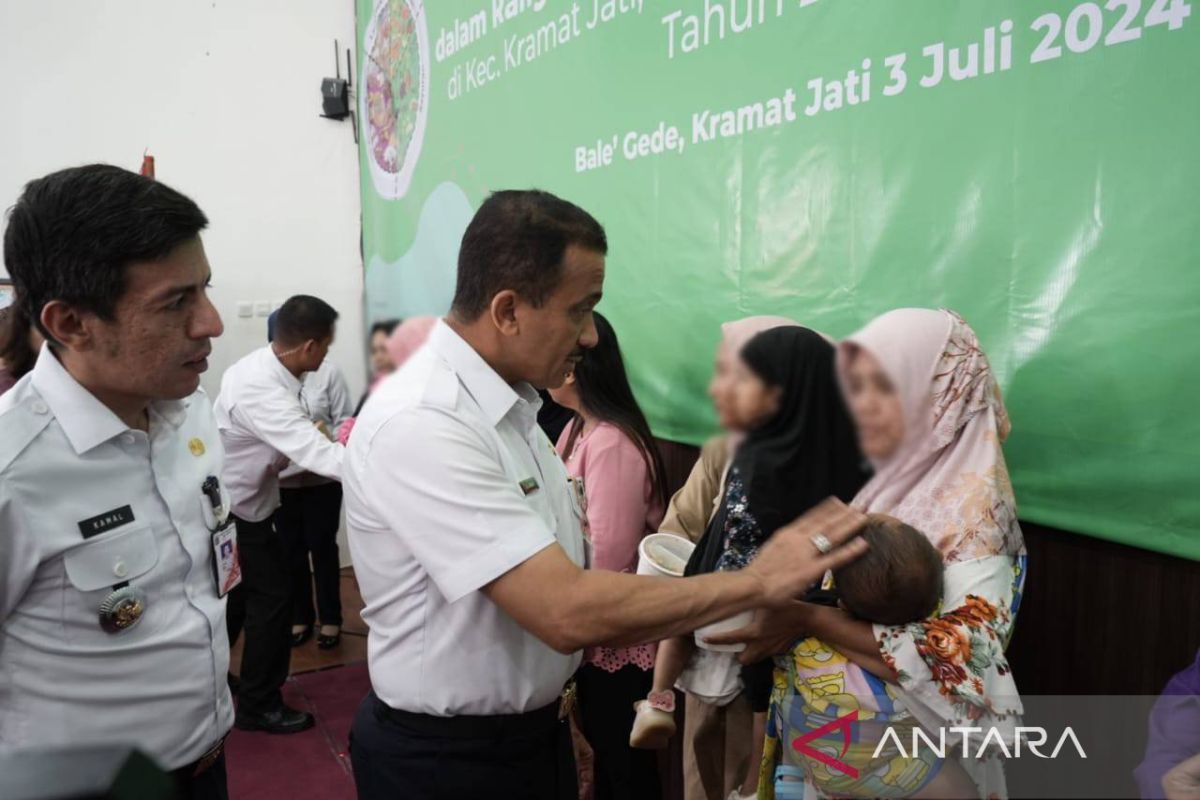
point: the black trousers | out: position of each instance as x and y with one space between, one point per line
208 785
309 520
606 707
758 679
418 757
262 606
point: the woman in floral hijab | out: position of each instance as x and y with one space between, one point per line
931 420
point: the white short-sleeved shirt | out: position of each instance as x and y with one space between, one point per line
324 397
450 483
263 427
68 464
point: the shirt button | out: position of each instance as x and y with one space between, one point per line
39 407
127 438
120 570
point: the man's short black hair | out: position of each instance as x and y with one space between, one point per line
72 234
516 241
304 317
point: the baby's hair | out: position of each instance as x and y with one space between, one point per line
898 580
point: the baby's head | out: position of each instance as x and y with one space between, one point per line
898 579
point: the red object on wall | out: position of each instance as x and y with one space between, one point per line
148 166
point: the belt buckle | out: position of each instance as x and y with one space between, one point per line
208 759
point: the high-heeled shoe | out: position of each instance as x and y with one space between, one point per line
302 637
328 642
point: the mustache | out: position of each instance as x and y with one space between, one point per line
200 354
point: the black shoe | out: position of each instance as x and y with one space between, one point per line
302 637
282 720
326 642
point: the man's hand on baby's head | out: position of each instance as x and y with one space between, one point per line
791 561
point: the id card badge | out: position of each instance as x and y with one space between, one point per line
227 567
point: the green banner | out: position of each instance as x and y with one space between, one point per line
1032 165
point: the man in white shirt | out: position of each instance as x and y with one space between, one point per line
310 512
112 612
263 427
466 536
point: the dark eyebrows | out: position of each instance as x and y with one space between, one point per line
184 289
591 300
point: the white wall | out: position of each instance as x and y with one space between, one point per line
226 96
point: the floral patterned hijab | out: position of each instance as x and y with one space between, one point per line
948 478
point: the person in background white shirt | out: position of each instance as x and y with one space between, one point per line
264 426
112 621
310 512
466 537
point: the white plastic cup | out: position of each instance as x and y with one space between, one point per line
723 626
677 546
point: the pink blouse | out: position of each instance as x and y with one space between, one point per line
621 510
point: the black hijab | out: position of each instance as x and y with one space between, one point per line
805 452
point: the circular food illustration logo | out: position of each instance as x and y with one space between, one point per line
396 101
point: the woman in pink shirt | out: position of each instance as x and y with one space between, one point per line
609 445
389 352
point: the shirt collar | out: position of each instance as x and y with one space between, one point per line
86 421
276 367
495 396
172 412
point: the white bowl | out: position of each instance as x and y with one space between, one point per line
678 549
722 626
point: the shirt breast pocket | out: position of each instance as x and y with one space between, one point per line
94 568
579 517
570 513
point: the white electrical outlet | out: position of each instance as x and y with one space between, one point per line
245 310
262 308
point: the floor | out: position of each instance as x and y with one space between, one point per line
315 764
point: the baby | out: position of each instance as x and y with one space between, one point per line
898 580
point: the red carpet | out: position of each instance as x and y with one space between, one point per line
313 765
